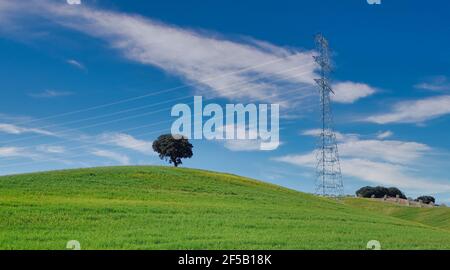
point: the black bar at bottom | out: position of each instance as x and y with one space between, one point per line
219 259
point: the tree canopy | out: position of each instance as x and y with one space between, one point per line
426 199
379 192
173 148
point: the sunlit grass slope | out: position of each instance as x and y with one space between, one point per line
437 216
167 208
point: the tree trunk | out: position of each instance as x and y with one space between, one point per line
174 161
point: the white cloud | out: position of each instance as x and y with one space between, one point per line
122 159
349 92
11 152
76 64
39 153
376 172
390 151
127 141
5 8
51 94
13 129
51 149
219 67
389 174
18 152
242 145
384 162
15 118
195 56
416 111
247 144
317 132
351 145
384 135
312 132
74 2
306 160
435 83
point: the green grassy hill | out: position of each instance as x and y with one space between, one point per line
437 216
167 208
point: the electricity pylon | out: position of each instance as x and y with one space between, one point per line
329 178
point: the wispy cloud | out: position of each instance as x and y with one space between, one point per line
349 92
76 64
195 56
14 118
11 152
350 145
14 129
216 65
51 94
416 111
384 134
120 158
51 149
317 132
242 145
250 141
127 141
74 2
390 174
398 152
435 83
19 152
384 162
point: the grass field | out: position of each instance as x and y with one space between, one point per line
436 217
178 208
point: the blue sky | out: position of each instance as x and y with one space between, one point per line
93 84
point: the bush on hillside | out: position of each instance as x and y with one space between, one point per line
426 199
393 192
379 192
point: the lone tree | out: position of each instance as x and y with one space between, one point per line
173 148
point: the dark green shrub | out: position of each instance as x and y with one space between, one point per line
426 199
379 192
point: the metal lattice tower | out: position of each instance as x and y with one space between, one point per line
329 177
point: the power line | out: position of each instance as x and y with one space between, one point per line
160 110
157 93
149 125
147 106
167 121
110 141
